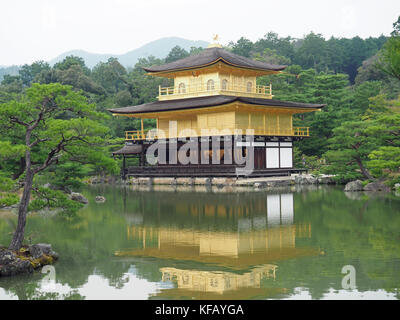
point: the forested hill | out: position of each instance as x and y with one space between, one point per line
334 55
338 55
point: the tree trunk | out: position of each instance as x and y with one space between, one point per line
364 171
19 233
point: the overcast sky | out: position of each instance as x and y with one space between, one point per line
33 30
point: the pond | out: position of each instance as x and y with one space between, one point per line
200 243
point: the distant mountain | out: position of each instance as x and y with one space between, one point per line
91 59
158 48
11 70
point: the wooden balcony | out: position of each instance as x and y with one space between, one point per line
178 92
138 135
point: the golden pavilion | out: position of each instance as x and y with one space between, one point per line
217 117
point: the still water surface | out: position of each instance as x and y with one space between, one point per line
202 244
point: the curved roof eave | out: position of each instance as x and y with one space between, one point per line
211 56
208 101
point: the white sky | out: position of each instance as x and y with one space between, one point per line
33 30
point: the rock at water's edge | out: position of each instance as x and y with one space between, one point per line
354 186
376 186
78 197
305 179
100 199
26 259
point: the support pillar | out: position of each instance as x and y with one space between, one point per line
124 168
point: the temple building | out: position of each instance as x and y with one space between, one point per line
214 121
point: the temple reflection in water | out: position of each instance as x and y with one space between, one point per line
233 247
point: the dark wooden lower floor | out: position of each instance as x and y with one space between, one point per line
204 171
224 156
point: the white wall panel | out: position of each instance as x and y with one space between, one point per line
272 158
286 158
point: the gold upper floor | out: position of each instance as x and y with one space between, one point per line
232 119
214 83
218 79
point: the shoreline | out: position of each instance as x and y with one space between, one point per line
259 182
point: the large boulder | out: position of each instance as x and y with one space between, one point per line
376 186
40 249
11 265
26 259
78 197
305 179
6 256
35 251
326 179
354 186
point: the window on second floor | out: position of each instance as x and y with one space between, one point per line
249 86
181 88
210 85
224 84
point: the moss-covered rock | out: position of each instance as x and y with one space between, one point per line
25 260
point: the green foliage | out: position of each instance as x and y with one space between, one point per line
242 47
67 176
271 56
311 53
110 75
396 28
12 84
389 61
385 160
28 73
349 149
67 142
70 61
8 150
362 95
123 98
283 47
370 143
6 183
46 198
195 50
176 53
8 199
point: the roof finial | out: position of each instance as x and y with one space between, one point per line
215 44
